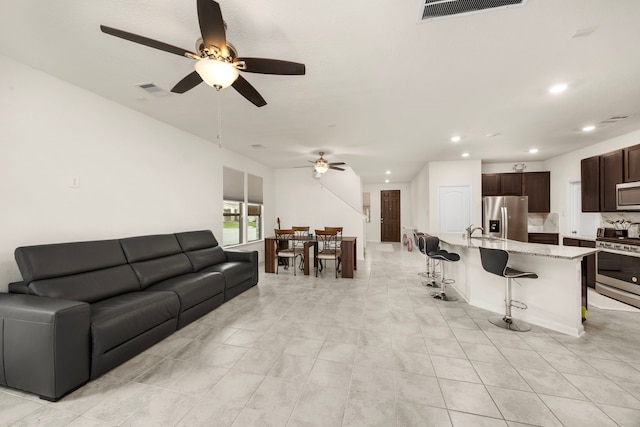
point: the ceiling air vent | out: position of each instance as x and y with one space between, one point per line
154 90
443 8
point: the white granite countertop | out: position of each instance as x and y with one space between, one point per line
515 247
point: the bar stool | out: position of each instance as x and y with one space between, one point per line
430 273
436 254
495 261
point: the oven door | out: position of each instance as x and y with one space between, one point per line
620 273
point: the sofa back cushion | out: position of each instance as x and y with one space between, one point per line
63 259
202 248
80 271
89 287
143 248
192 240
155 258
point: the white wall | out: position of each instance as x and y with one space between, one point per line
334 200
508 167
373 228
566 168
458 173
137 175
420 200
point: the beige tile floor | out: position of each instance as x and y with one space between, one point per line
373 351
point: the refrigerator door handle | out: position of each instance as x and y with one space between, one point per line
505 222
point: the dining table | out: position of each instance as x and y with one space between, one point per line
347 247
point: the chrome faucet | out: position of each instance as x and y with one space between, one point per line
470 230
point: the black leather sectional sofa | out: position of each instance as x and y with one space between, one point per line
84 308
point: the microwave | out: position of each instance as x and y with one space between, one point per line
628 196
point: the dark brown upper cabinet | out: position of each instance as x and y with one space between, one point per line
536 185
590 184
632 163
611 173
491 184
511 184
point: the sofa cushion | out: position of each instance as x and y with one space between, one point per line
235 272
88 287
203 258
148 247
62 259
155 270
192 240
192 288
119 319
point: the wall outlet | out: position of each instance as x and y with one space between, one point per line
74 182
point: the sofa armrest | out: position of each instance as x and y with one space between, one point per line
247 256
44 345
239 255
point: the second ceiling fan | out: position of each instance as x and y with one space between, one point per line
218 63
321 165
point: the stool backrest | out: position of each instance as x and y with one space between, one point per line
432 244
494 260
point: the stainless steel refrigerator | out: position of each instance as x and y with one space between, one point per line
506 217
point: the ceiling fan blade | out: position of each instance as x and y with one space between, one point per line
337 163
189 82
298 167
245 89
336 168
212 25
146 41
272 66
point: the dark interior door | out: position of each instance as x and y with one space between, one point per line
390 215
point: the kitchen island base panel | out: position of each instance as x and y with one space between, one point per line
554 300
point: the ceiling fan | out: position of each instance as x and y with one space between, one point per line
321 165
217 61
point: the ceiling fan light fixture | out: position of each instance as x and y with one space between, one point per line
216 73
321 166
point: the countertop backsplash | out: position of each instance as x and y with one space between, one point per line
543 222
629 217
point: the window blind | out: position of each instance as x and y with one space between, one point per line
233 185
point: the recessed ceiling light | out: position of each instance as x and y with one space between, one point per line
455 138
388 172
588 128
558 88
533 150
465 154
386 181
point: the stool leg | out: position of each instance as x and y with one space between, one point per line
442 295
431 274
506 321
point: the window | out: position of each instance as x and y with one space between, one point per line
241 226
254 208
232 217
254 223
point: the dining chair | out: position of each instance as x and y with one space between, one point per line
293 249
301 234
337 244
328 248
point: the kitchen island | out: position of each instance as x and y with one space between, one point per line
554 299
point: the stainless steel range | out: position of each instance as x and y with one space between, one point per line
618 268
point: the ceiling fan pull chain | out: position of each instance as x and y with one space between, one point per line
219 119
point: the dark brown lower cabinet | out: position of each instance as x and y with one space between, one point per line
545 238
588 266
